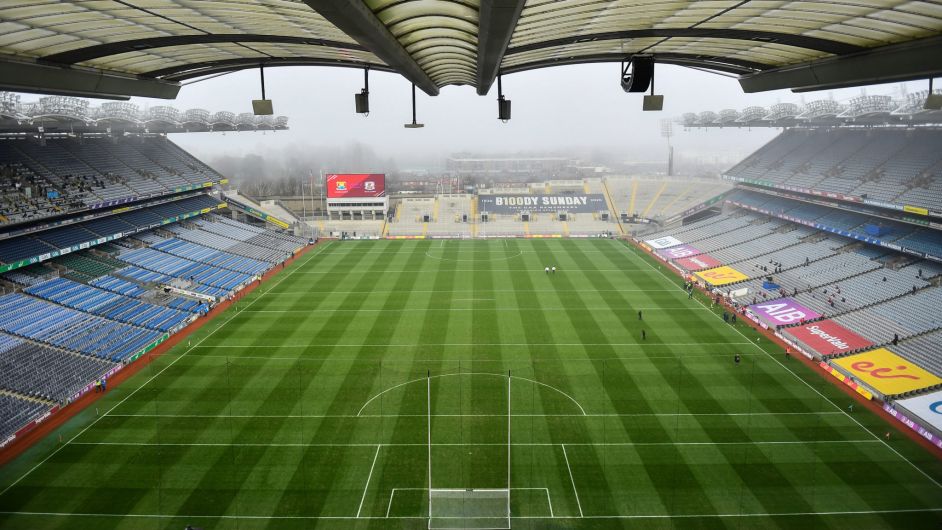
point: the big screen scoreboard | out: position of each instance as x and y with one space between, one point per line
355 185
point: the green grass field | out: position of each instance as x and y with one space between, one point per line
307 406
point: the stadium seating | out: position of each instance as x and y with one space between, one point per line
109 304
16 412
70 329
42 372
886 165
63 176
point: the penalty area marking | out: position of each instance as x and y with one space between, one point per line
572 480
549 501
366 487
486 260
551 387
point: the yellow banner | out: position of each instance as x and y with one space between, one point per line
887 372
721 276
916 209
224 181
277 222
121 210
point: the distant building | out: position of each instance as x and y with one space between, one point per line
538 167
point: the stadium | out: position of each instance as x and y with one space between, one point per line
520 340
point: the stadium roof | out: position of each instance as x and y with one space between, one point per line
147 47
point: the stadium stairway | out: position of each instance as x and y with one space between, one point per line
12 393
611 205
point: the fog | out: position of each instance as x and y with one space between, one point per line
577 111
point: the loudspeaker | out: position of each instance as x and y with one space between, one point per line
525 217
426 218
262 107
503 109
933 102
362 101
653 103
642 71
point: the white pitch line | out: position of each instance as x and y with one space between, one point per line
171 363
456 291
452 309
572 480
367 485
515 517
469 444
459 344
516 415
789 370
426 271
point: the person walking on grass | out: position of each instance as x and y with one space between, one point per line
639 316
736 359
644 335
553 269
546 270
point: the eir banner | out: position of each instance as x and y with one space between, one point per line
782 312
827 337
696 263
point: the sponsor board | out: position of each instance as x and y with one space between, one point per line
696 263
928 407
915 209
846 380
664 242
827 337
933 438
513 204
782 312
721 276
344 185
677 252
886 372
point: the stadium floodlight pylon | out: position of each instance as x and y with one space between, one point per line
469 508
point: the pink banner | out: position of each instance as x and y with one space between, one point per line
782 312
696 263
680 251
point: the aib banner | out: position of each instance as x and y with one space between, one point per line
927 406
721 276
886 372
348 185
782 312
696 263
664 242
827 337
514 204
680 251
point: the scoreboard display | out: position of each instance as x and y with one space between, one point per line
352 185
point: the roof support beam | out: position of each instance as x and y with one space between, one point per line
354 18
720 64
496 23
98 51
191 70
21 76
897 62
759 37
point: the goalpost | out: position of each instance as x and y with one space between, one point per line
471 508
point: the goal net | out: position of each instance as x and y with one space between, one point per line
469 508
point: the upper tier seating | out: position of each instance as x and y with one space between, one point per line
896 166
66 175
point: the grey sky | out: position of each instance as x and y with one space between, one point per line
571 107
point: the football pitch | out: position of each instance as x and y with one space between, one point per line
373 384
